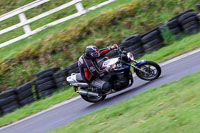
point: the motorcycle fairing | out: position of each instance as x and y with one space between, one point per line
109 62
73 81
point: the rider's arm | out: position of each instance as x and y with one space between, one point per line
106 50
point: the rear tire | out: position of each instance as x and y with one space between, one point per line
152 75
93 99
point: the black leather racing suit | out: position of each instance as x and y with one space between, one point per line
92 73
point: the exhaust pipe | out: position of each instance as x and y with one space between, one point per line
83 92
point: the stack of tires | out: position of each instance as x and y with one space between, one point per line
186 22
133 44
25 93
44 83
152 40
8 101
73 68
60 78
189 22
198 6
174 26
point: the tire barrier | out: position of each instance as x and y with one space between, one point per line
189 22
60 78
45 84
73 68
174 27
185 22
51 79
176 16
25 93
152 40
133 44
198 6
53 69
8 101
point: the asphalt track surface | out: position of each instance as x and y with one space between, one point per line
70 111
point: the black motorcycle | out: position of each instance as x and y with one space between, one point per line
119 73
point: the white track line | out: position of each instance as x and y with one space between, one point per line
179 57
73 99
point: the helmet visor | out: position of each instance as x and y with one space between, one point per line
96 54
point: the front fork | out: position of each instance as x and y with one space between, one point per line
138 64
130 79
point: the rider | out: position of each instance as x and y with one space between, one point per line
89 69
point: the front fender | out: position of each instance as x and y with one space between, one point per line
140 63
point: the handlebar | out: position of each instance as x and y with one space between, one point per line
119 51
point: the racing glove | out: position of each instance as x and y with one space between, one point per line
114 46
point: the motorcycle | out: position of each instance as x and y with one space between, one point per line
119 73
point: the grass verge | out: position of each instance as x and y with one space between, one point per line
187 44
60 96
170 108
12 51
64 43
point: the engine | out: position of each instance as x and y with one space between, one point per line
120 81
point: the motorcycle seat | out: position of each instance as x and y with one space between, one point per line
79 78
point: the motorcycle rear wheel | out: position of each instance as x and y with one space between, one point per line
152 68
93 99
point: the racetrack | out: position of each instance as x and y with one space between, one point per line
68 112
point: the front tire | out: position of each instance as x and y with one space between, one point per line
153 71
93 99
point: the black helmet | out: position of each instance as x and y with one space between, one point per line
92 51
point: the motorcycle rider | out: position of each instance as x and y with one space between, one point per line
91 72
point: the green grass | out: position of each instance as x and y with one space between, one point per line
58 46
10 5
57 97
128 26
12 51
170 108
18 46
159 56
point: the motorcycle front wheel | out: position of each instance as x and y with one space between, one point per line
93 99
150 71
